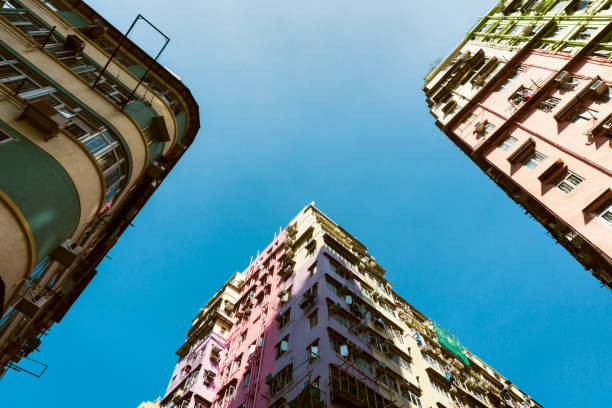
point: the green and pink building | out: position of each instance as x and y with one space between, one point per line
526 96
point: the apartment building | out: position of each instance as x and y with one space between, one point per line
90 125
526 96
313 322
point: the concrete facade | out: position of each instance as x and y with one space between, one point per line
526 96
315 323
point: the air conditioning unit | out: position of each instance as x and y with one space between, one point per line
481 126
74 43
599 87
66 253
158 125
27 307
528 29
562 76
93 31
450 106
45 117
155 170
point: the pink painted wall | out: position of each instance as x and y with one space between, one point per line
590 158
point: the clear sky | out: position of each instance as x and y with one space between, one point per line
319 100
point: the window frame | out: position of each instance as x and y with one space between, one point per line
564 179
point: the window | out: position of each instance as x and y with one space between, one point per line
606 213
282 346
511 77
252 348
533 160
549 104
582 4
308 299
568 181
243 337
313 351
284 318
570 83
515 30
584 34
4 137
469 118
507 143
406 393
388 381
401 362
247 379
312 270
522 95
582 115
558 32
282 378
313 319
440 389
237 362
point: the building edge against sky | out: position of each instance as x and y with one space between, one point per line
526 96
313 322
82 149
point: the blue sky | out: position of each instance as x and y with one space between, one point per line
320 101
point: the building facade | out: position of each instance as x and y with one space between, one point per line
149 404
526 96
313 322
84 142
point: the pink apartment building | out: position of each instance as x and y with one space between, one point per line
526 96
313 322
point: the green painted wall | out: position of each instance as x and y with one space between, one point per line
155 150
42 189
181 123
137 70
73 18
140 112
143 114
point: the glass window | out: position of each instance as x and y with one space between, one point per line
507 143
568 181
606 213
558 32
113 176
469 119
513 75
4 137
585 33
96 143
107 160
533 160
313 319
582 115
549 104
